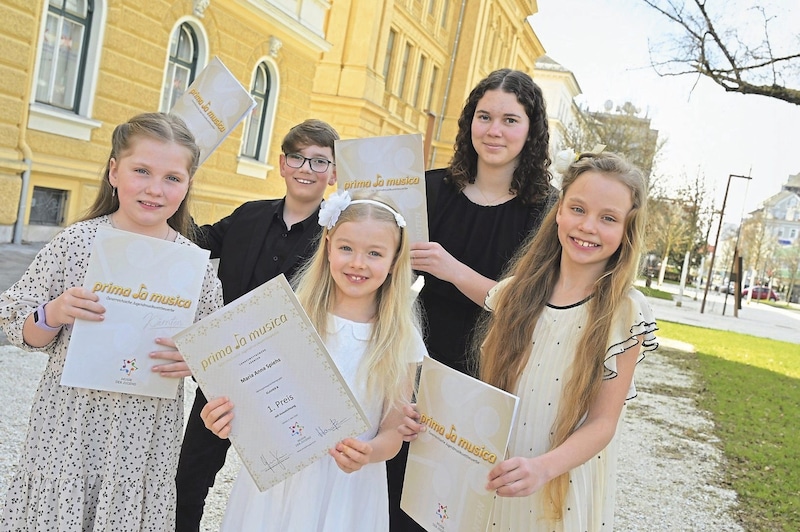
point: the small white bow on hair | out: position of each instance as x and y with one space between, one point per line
332 207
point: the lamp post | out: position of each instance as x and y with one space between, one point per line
716 240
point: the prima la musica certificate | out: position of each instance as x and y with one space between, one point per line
212 106
149 288
291 404
392 167
468 428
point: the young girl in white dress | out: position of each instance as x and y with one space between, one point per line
96 460
357 292
565 334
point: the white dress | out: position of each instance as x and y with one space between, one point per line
92 460
321 497
590 496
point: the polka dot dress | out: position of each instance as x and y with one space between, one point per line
92 460
590 497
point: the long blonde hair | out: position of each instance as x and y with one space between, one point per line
392 346
507 331
158 126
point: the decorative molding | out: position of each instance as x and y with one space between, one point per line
253 168
200 7
275 46
50 119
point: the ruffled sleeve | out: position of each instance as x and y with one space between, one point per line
634 325
490 303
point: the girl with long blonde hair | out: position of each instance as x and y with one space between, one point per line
566 331
357 293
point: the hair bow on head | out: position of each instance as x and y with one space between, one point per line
565 158
332 207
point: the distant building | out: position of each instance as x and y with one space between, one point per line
771 239
781 212
560 89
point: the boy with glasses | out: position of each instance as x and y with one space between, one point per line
258 241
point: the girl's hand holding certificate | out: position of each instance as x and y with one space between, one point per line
177 367
411 427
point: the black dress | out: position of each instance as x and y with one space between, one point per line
485 238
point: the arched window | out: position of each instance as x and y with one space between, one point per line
256 124
182 66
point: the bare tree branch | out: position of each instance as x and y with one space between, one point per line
704 48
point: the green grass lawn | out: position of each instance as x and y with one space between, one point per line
752 390
655 292
777 304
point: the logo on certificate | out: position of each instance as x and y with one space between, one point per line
128 366
297 429
441 513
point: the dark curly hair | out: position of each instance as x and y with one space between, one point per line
531 180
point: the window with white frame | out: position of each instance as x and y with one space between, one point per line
182 66
62 59
66 69
256 124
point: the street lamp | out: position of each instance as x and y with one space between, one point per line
716 240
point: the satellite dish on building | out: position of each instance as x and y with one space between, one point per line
608 105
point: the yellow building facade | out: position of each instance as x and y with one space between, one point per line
74 69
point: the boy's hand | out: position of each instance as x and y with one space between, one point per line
217 416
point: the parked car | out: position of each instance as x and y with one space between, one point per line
762 292
730 289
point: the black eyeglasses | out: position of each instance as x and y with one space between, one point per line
317 164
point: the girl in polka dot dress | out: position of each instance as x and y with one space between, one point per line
96 460
565 334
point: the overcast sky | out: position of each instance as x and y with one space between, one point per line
605 45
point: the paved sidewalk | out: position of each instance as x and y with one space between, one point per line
14 260
755 318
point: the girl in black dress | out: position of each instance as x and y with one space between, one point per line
481 208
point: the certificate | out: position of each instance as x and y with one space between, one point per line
149 288
291 402
392 167
469 424
212 106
